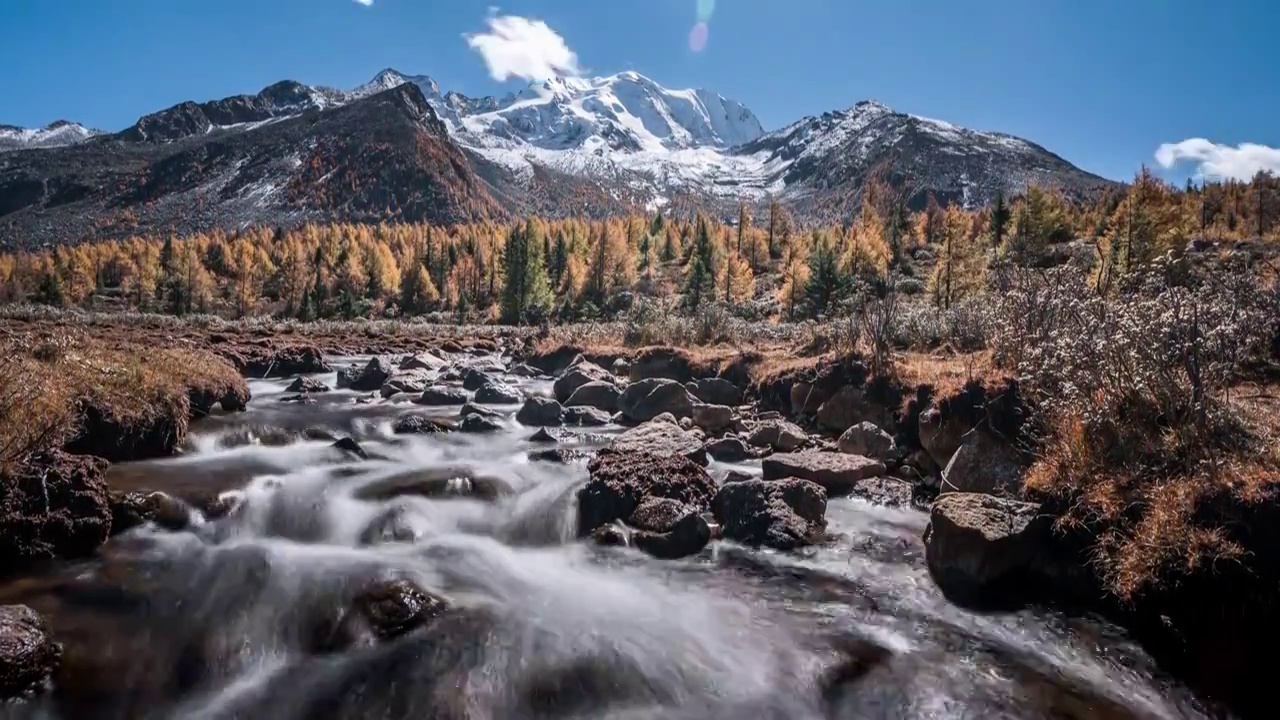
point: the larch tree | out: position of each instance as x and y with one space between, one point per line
526 291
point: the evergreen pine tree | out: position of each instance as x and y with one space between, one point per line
526 290
699 273
826 285
1000 216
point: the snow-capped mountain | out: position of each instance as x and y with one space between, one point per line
399 147
55 134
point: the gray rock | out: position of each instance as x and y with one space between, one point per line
474 379
644 400
941 435
525 371
583 416
474 409
412 381
836 472
868 440
442 395
712 418
983 464
368 378
729 449
661 438
423 361
805 398
887 491
716 391
983 550
622 481
418 424
848 407
479 424
539 411
780 435
577 376
307 385
667 528
600 394
782 514
496 393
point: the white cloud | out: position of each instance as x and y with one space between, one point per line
522 48
366 3
1220 162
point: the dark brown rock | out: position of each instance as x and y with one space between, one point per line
577 376
982 550
369 378
131 509
259 362
350 446
539 411
782 514
836 472
644 400
621 481
442 395
661 438
28 654
887 491
52 506
418 424
600 394
443 482
307 385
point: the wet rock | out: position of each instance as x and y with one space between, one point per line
539 411
28 654
384 610
868 440
423 361
668 529
395 525
351 447
319 434
620 481
131 509
782 514
479 424
983 464
299 399
737 476
436 483
307 385
560 456
661 363
661 438
418 424
368 378
473 409
716 391
614 534
496 393
856 658
644 400
834 471
279 362
780 435
729 449
600 394
982 550
887 491
438 395
525 371
414 381
578 375
582 416
712 418
543 435
474 379
54 505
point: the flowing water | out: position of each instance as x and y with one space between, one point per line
212 623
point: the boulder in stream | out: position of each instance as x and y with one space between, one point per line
577 376
868 440
496 393
383 610
778 434
668 529
622 480
983 464
305 384
730 448
479 424
661 438
644 400
131 509
28 654
600 394
435 483
369 378
982 550
349 446
539 412
715 391
835 471
438 395
419 424
781 514
582 416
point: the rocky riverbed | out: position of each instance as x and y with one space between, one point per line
463 533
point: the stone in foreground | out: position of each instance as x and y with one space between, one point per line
539 412
662 438
28 654
982 550
781 514
644 400
868 440
779 434
836 472
622 480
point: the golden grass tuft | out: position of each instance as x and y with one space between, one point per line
65 390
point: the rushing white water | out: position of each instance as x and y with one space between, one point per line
213 623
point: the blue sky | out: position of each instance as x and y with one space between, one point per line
1101 82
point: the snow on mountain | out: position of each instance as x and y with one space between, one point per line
55 134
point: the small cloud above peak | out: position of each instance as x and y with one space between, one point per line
366 3
518 47
1220 162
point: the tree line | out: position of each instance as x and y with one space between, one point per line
573 269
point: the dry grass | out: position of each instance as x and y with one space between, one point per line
66 389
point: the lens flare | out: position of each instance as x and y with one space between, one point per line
705 9
698 37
